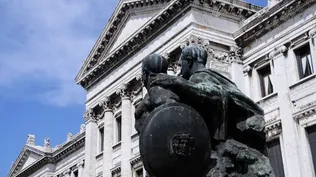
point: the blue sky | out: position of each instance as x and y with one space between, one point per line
42 45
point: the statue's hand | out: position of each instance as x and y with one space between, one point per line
165 81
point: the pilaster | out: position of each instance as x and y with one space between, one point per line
289 127
247 72
126 142
90 143
108 136
80 168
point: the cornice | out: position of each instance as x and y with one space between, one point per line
116 169
112 27
112 60
273 129
54 157
307 112
269 19
26 151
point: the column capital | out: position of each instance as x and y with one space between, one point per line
124 92
66 172
90 115
312 33
277 51
247 69
80 164
106 104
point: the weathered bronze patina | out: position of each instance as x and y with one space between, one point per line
174 140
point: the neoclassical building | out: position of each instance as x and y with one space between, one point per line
270 53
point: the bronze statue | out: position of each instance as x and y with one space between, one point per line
233 122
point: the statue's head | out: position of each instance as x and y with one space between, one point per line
190 55
153 64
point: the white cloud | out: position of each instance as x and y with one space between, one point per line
44 41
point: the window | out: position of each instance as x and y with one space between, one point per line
101 131
275 156
266 82
139 173
118 129
304 61
311 131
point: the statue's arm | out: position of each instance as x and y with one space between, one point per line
199 89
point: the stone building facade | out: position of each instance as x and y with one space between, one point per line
270 53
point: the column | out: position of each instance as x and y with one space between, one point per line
126 154
237 75
66 173
80 168
108 137
72 174
90 144
290 140
247 73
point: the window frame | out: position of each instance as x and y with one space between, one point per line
260 79
298 60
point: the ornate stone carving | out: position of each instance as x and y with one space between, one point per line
312 33
82 128
247 69
124 92
234 55
106 104
273 130
90 115
46 142
277 51
30 140
66 172
69 136
306 113
183 144
80 164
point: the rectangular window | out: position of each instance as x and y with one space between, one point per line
304 61
266 82
119 128
311 131
275 156
139 173
101 131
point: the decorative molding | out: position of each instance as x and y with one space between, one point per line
305 113
30 140
90 115
273 129
136 162
124 92
303 84
52 157
66 172
135 137
312 33
268 19
116 170
268 100
234 55
106 104
247 70
278 51
80 164
102 66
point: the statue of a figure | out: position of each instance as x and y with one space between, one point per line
227 111
200 101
